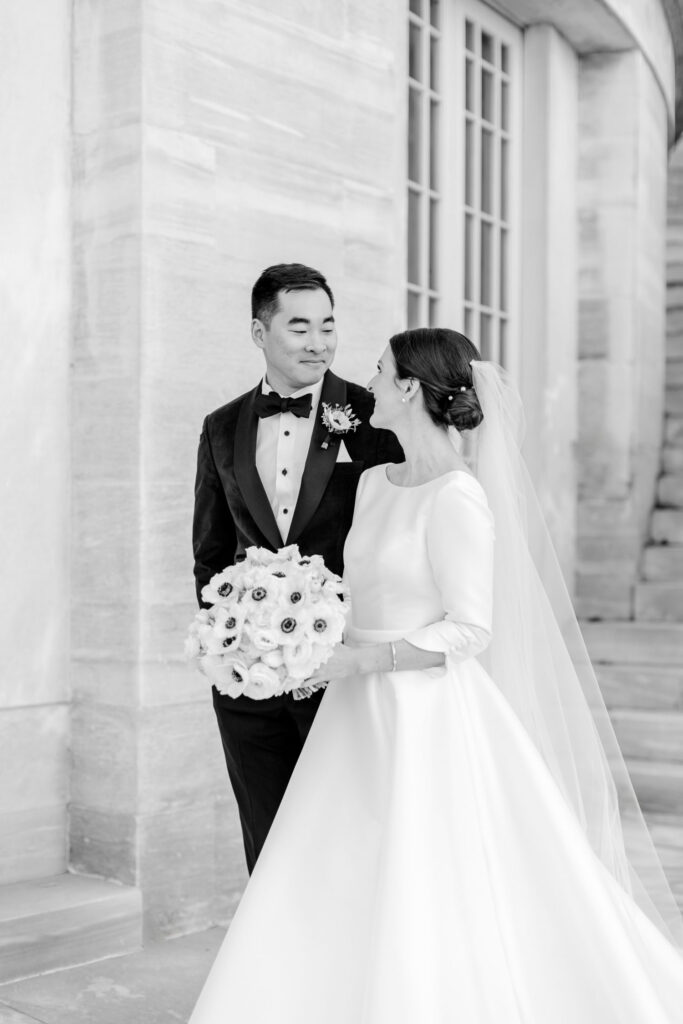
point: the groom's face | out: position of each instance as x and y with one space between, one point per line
300 341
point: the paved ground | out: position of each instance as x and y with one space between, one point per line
158 985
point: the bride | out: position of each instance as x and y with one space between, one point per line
460 840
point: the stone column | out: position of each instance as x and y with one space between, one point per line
548 273
622 209
210 141
147 772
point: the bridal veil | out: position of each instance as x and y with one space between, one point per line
538 659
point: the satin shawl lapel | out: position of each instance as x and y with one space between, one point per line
320 461
246 473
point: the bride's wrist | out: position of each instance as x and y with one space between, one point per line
377 658
383 659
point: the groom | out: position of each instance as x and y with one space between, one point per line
270 473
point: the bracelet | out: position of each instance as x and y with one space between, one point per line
393 655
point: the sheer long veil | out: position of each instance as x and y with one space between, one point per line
539 661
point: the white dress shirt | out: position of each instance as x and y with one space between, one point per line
282 443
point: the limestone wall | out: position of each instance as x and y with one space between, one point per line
211 140
34 445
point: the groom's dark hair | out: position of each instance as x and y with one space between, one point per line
283 277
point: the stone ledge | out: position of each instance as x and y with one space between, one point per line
672 457
673 400
658 786
645 643
656 687
663 562
666 831
670 490
650 735
674 373
674 338
667 526
58 922
659 602
603 595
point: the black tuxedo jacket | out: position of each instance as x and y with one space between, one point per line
232 510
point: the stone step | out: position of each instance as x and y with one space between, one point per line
649 687
674 318
659 602
673 373
600 595
645 643
658 786
674 336
51 923
670 490
672 458
666 526
663 562
674 271
673 430
674 296
649 735
666 831
673 400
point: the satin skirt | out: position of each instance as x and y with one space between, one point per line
424 869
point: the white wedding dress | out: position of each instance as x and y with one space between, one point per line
424 867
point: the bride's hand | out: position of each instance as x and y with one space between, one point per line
342 662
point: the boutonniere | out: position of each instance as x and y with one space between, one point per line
338 420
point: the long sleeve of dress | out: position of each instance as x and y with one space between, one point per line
460 540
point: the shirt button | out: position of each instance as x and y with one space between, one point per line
285 510
284 472
286 433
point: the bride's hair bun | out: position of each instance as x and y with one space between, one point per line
440 359
462 410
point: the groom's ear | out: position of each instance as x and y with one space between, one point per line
258 333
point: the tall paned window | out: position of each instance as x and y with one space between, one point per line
464 148
424 126
488 175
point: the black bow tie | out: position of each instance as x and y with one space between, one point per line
271 404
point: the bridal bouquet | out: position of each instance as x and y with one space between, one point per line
274 619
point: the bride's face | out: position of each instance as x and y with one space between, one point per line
387 392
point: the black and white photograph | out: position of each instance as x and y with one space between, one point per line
342 512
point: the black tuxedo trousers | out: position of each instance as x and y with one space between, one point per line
262 740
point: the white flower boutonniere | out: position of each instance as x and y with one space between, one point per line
338 420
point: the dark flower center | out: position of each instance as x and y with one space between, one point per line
304 561
320 625
259 593
237 676
225 589
228 640
295 597
288 625
230 623
280 575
